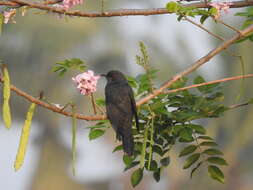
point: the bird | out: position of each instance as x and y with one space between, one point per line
121 108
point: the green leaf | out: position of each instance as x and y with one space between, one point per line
186 134
212 151
208 143
247 23
194 169
6 97
62 67
206 88
1 23
157 175
197 128
191 160
188 150
213 11
100 102
153 166
250 101
74 126
133 164
205 137
24 138
97 126
217 160
199 79
127 160
216 173
117 148
144 145
136 177
172 7
95 133
157 149
203 18
179 83
132 81
242 14
165 161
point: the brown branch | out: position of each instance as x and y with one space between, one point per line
238 105
207 83
197 64
14 4
52 107
93 103
120 12
229 26
203 28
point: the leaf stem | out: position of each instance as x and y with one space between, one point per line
93 103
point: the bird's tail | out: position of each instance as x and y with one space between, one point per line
128 143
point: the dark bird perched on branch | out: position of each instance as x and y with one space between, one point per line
121 108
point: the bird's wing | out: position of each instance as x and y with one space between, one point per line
134 109
118 106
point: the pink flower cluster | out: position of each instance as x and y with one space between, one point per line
220 6
9 15
86 82
67 4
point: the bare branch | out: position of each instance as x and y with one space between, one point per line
238 105
203 28
14 4
52 107
229 26
114 13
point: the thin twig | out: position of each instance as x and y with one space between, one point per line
238 105
203 28
93 103
119 12
229 26
207 83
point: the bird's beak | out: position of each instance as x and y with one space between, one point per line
103 75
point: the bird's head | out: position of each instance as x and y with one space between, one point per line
114 76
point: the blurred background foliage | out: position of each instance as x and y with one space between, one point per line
38 40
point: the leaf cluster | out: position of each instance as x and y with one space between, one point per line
248 14
182 11
63 66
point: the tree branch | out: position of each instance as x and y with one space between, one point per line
207 83
197 64
203 28
114 13
52 107
14 4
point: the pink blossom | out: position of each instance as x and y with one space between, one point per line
67 4
8 15
220 6
86 82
